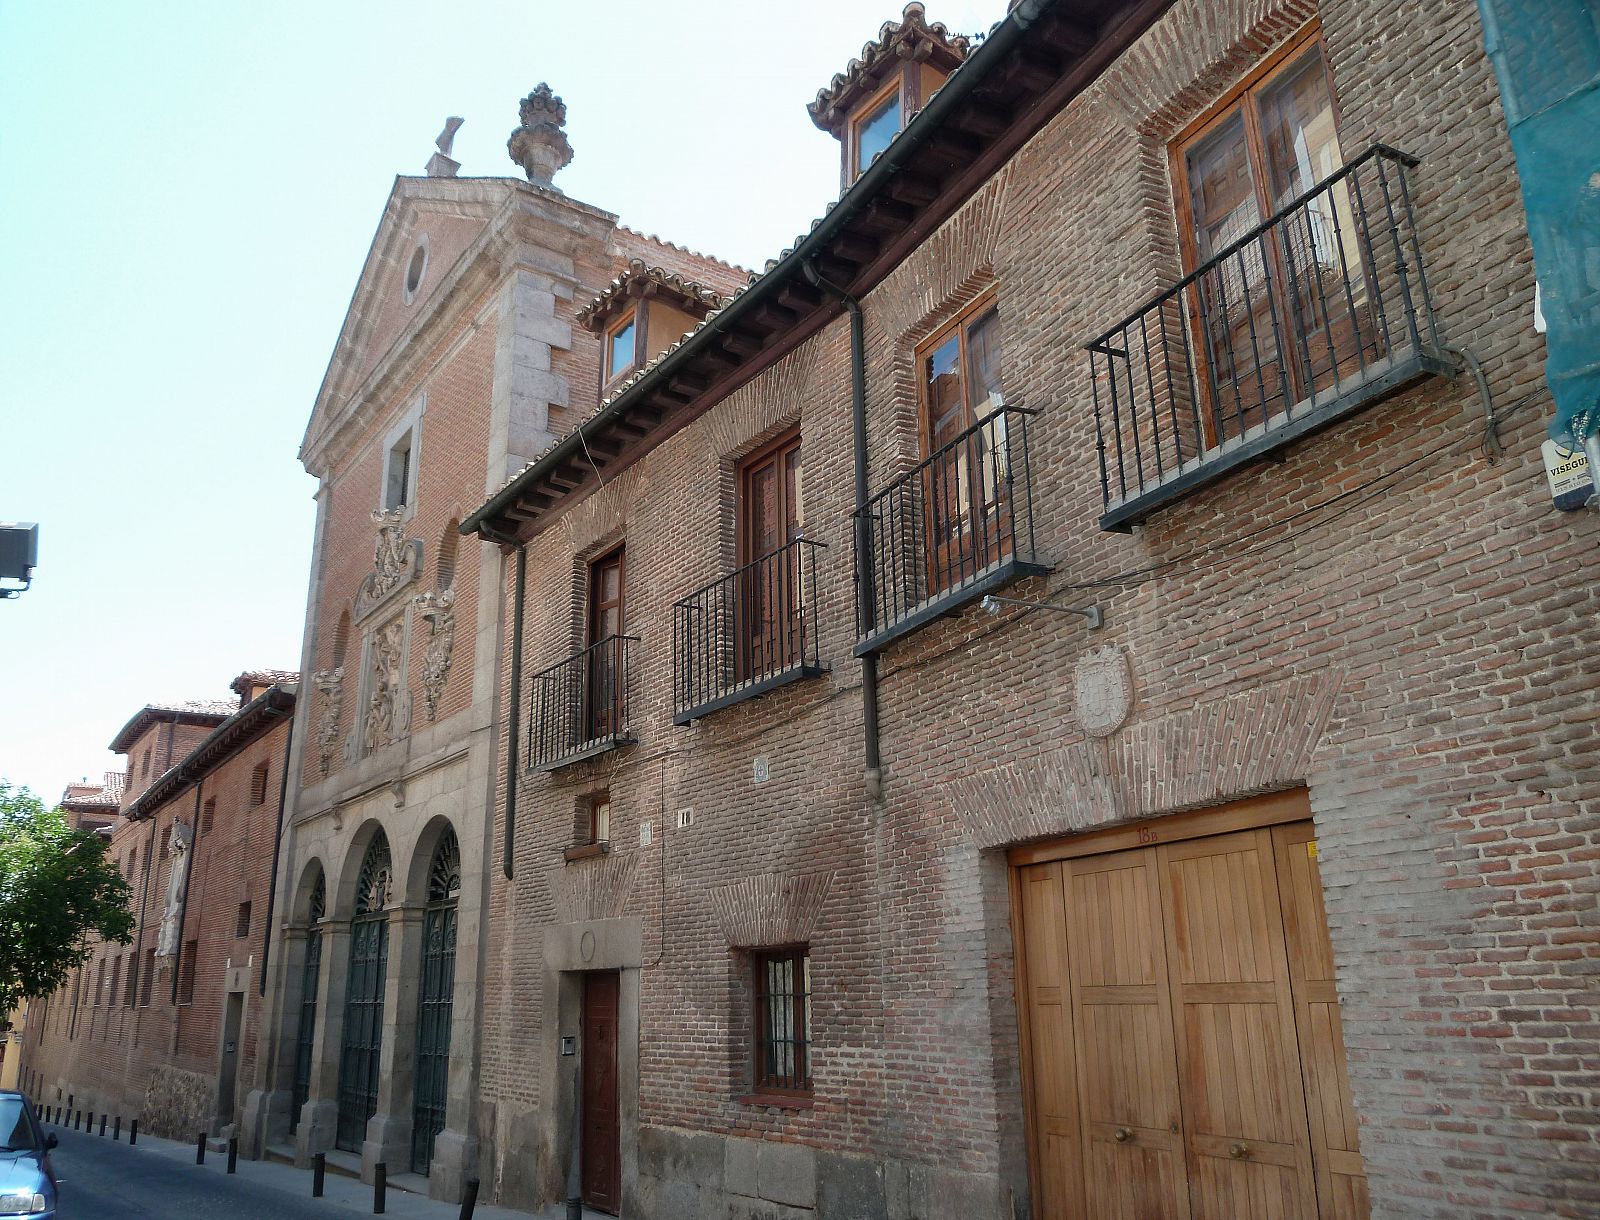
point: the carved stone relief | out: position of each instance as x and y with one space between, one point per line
1103 686
178 843
385 717
329 685
438 611
397 561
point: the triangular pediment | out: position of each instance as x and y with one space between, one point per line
430 229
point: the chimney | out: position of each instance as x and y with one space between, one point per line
539 145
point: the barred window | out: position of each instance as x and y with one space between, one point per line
783 1021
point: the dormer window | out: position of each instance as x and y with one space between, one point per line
870 134
622 342
869 103
642 313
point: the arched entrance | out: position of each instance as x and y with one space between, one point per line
305 1037
432 1073
362 1043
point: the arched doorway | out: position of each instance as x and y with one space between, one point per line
362 1043
432 1074
311 973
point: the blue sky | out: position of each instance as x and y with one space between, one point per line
187 193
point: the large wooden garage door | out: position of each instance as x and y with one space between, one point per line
1183 1045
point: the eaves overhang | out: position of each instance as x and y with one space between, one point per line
268 709
1037 59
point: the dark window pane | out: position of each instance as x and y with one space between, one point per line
876 130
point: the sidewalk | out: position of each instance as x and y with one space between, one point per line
341 1195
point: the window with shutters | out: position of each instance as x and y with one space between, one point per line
258 785
208 816
241 926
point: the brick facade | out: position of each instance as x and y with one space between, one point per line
1382 617
138 1033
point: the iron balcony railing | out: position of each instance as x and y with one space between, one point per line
948 530
747 632
580 705
1321 309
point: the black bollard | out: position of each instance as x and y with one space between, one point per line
102 1124
116 1130
133 1133
200 1149
233 1154
319 1169
380 1187
469 1200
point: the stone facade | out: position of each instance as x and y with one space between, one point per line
461 354
1382 617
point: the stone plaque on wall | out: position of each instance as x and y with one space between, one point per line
1104 690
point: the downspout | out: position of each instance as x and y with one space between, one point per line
183 907
513 716
277 849
866 592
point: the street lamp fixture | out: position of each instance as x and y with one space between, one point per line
1095 616
19 555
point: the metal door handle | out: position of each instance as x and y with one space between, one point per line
1124 1134
1239 1151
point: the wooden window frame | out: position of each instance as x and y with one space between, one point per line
961 321
592 716
635 314
852 144
748 465
1240 99
765 1088
939 568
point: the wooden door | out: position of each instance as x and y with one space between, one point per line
603 680
1335 1147
768 637
1182 1042
601 1153
1244 1106
1127 1064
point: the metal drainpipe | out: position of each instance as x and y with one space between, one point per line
866 593
277 848
513 716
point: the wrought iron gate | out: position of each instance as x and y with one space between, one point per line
432 1077
305 1039
362 1043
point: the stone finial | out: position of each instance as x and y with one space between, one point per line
442 164
540 145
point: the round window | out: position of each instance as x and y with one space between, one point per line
415 269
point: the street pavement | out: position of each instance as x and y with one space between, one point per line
106 1180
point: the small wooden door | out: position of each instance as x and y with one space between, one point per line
771 590
602 1156
603 694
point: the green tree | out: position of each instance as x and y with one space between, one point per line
58 889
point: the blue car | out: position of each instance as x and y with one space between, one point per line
27 1183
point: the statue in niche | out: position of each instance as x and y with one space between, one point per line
178 844
385 706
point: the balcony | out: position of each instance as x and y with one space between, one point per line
1314 314
579 707
748 632
948 531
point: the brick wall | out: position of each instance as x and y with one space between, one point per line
155 1059
1433 624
